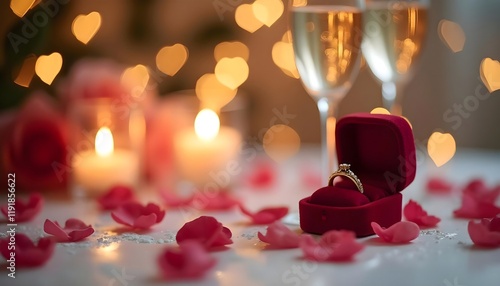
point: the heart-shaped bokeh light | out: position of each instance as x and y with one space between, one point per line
212 93
490 74
246 19
452 35
231 50
441 148
232 72
268 11
171 59
47 67
86 26
135 79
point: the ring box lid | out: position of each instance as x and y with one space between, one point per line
380 149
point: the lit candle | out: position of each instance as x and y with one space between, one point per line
100 169
203 153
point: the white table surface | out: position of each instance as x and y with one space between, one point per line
438 257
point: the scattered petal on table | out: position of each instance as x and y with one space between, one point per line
135 215
333 245
486 232
220 200
188 261
27 253
401 232
279 236
207 230
265 215
414 212
73 230
115 197
262 175
439 186
25 210
478 201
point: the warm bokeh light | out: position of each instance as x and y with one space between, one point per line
171 59
137 128
26 72
490 74
268 11
84 27
212 93
299 3
232 72
287 37
231 50
104 143
245 18
206 125
281 142
135 79
284 58
380 110
20 7
452 35
47 67
441 148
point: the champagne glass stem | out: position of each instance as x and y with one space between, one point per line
392 97
327 112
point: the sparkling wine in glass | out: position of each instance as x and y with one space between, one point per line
394 33
327 37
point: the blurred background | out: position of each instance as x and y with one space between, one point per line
445 94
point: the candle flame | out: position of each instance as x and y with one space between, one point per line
104 143
206 125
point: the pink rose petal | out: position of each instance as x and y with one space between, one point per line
478 201
278 236
27 253
401 232
262 175
266 215
414 212
333 245
138 216
439 186
25 210
485 233
73 230
190 260
207 230
221 200
115 197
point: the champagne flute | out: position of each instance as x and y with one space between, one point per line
327 37
394 32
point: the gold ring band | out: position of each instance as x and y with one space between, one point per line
345 171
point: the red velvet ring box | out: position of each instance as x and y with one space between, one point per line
381 151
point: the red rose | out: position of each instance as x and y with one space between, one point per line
35 146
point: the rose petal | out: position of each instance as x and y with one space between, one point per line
190 260
481 233
261 176
414 212
279 236
333 246
401 232
266 215
220 200
207 230
135 215
27 253
74 230
115 197
439 186
477 206
25 210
